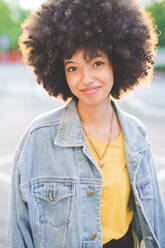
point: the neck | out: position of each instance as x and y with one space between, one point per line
97 115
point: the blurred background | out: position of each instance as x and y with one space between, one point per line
21 99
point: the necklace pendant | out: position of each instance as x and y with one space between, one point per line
101 163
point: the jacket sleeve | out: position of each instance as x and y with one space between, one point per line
159 208
19 231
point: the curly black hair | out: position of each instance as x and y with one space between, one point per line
123 29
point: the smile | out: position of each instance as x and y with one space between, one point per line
90 90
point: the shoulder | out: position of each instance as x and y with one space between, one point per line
129 122
47 119
41 125
135 123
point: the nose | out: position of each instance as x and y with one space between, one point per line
86 76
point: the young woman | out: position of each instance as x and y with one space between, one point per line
84 174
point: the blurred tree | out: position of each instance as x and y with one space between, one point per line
157 10
10 23
6 22
11 18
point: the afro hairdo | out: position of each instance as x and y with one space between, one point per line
120 28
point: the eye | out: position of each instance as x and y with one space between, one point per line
98 63
71 69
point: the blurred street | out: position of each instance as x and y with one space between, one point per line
22 100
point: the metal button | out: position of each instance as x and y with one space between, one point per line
91 193
51 195
93 235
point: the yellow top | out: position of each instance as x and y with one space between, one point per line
115 213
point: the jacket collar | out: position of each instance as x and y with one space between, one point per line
70 132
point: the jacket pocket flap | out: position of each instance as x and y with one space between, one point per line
52 191
145 189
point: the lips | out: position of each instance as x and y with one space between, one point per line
90 90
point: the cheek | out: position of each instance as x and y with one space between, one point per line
110 76
107 78
71 83
68 80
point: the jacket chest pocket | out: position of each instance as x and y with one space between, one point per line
146 194
145 189
54 201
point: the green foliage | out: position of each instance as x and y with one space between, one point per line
159 68
10 23
157 9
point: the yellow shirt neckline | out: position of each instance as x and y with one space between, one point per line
104 142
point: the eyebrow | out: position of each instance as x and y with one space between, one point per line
96 56
69 62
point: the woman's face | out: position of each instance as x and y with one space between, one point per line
90 79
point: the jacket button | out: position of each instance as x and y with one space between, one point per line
91 193
51 195
93 235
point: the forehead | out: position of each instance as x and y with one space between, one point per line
87 54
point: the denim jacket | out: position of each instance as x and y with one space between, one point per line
53 173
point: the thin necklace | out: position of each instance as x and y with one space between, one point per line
101 162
